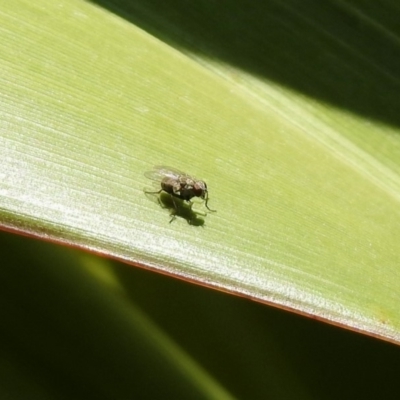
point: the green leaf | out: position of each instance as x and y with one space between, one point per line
76 326
289 116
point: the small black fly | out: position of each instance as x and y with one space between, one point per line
178 184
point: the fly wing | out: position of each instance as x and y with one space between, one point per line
160 172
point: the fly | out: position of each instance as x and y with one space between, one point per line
178 184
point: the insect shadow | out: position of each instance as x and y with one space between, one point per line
177 207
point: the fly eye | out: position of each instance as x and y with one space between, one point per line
198 190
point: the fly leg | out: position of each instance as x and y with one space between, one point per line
158 192
173 214
207 205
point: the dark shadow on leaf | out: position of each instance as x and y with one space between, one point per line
343 53
177 208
